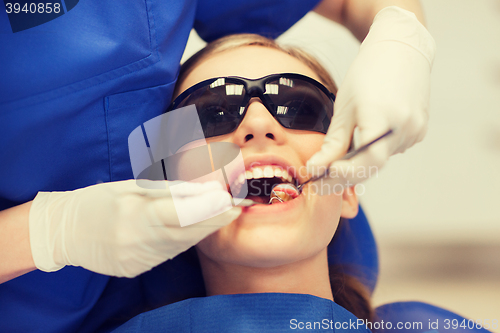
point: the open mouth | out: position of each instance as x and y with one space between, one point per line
268 184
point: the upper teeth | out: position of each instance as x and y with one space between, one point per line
267 171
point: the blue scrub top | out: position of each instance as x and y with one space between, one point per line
71 91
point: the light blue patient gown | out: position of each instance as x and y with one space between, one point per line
71 91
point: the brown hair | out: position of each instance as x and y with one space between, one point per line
347 291
350 293
239 40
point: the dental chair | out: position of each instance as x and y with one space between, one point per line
353 246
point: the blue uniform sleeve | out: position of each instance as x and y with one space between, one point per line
218 18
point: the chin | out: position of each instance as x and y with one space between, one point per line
265 236
264 249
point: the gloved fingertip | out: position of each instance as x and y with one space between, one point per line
313 161
317 164
212 202
221 199
221 219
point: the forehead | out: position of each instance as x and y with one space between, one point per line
247 61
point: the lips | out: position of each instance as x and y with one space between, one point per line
276 171
262 174
260 180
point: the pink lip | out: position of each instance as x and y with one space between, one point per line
262 160
276 208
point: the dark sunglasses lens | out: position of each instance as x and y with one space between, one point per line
220 106
300 104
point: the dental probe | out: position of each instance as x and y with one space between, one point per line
249 203
346 157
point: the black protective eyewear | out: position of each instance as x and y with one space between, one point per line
294 100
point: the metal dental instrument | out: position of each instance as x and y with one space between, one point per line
249 203
326 173
276 197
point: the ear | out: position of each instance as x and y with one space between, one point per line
349 203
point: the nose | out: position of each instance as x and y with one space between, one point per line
258 126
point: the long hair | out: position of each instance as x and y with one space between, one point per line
347 291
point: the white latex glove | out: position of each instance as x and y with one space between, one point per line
387 86
122 229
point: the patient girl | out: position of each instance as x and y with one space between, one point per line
279 121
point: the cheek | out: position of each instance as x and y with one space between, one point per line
219 246
192 160
305 143
325 215
211 248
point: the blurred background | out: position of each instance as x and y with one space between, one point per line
435 210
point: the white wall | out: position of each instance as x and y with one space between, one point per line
446 188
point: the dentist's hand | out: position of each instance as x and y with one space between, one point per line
122 229
386 87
